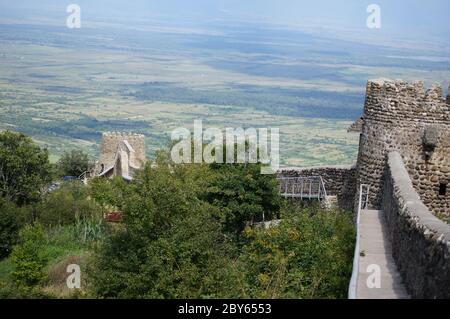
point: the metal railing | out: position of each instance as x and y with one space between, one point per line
84 176
364 196
363 203
302 187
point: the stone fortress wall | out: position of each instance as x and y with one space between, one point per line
110 142
404 156
404 117
420 241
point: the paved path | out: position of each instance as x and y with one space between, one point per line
375 249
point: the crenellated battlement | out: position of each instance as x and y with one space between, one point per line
414 121
121 135
391 100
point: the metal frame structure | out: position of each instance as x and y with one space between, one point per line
303 188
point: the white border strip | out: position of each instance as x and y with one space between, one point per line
354 279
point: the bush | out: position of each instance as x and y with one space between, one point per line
110 193
172 245
73 163
24 168
12 218
30 256
9 227
309 255
66 205
243 195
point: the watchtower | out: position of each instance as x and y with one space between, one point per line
404 117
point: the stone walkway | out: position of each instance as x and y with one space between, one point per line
375 251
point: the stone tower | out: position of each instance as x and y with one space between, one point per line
416 123
111 142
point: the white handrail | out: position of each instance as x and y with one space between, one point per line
352 289
323 187
83 175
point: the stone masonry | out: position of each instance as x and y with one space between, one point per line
420 241
121 154
111 141
404 117
404 156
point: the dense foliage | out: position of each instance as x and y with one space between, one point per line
172 245
9 226
189 231
24 168
109 193
73 163
66 205
306 256
29 256
176 242
243 194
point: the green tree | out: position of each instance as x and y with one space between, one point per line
9 226
30 256
73 163
177 239
111 193
24 168
243 194
171 246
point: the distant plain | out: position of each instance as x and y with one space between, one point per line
65 87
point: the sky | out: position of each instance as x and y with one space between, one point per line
412 18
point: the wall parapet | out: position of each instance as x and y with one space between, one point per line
420 241
388 100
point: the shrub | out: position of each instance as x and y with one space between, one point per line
24 168
73 163
110 193
30 257
309 255
12 218
242 194
66 205
172 245
9 227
